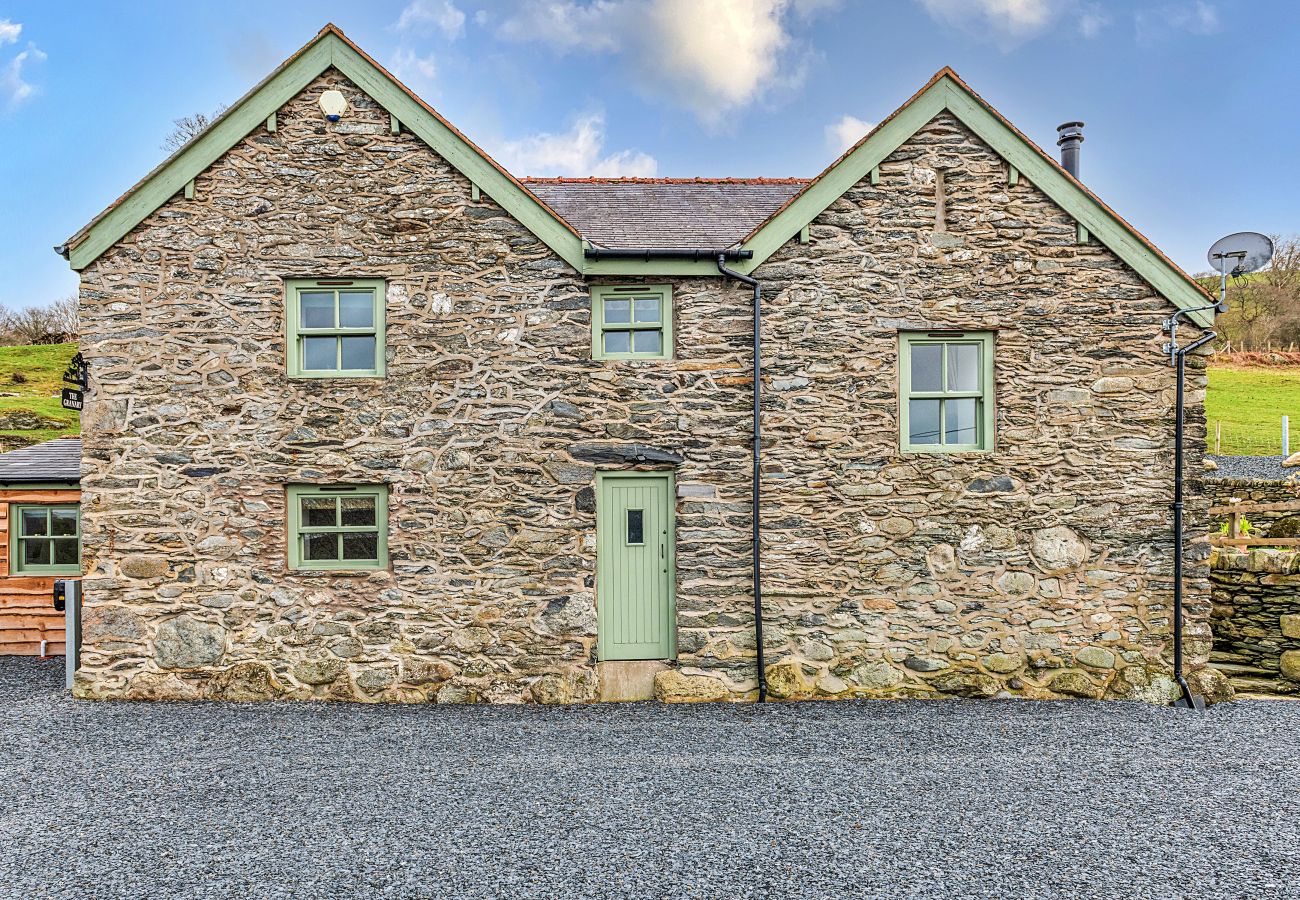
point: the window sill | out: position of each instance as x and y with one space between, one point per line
47 573
336 573
335 376
935 451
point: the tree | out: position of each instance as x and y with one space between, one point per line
53 324
188 128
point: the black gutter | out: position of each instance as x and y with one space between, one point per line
722 257
1186 699
645 253
756 455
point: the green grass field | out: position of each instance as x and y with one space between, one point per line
30 381
1249 403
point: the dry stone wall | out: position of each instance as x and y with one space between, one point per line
1229 491
1038 570
1257 619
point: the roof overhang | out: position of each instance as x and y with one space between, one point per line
329 48
944 92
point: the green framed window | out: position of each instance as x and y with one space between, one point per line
946 386
631 321
338 526
44 540
336 327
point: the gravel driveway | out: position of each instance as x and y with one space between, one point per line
902 799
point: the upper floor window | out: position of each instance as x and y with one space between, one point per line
45 540
946 381
338 526
336 328
632 321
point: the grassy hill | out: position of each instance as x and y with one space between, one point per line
30 380
1249 403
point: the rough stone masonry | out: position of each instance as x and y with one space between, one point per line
1039 570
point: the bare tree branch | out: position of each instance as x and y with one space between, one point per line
188 128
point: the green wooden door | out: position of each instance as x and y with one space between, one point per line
634 565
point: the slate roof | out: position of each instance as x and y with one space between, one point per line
665 213
57 460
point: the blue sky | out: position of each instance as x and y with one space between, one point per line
1190 104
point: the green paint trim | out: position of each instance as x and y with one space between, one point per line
253 110
475 195
837 180
189 189
1081 233
464 157
945 93
294 331
1013 176
270 122
602 292
294 494
164 182
1100 222
875 175
394 125
16 566
803 235
605 553
986 395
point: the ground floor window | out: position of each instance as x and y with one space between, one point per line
338 526
46 540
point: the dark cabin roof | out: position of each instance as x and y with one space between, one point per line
663 213
58 460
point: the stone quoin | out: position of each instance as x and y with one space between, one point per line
1033 558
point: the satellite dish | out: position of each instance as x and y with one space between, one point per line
1237 254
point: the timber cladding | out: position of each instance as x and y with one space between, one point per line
1037 569
27 614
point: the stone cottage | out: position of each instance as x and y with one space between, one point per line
370 418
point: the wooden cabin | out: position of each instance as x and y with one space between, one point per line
40 541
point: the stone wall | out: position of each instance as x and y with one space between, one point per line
1257 619
1223 491
1039 570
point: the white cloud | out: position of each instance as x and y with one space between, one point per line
13 88
845 132
576 152
1009 23
420 16
413 69
1091 22
1196 17
9 31
712 56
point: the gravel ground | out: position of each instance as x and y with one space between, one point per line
903 799
1262 467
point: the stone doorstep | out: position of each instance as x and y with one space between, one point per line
626 680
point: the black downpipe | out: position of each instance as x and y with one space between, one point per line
1186 699
756 456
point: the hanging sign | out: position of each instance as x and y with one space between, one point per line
76 374
72 399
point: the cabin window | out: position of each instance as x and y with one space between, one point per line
632 321
46 540
338 526
946 397
335 328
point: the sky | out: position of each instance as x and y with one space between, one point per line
1191 105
